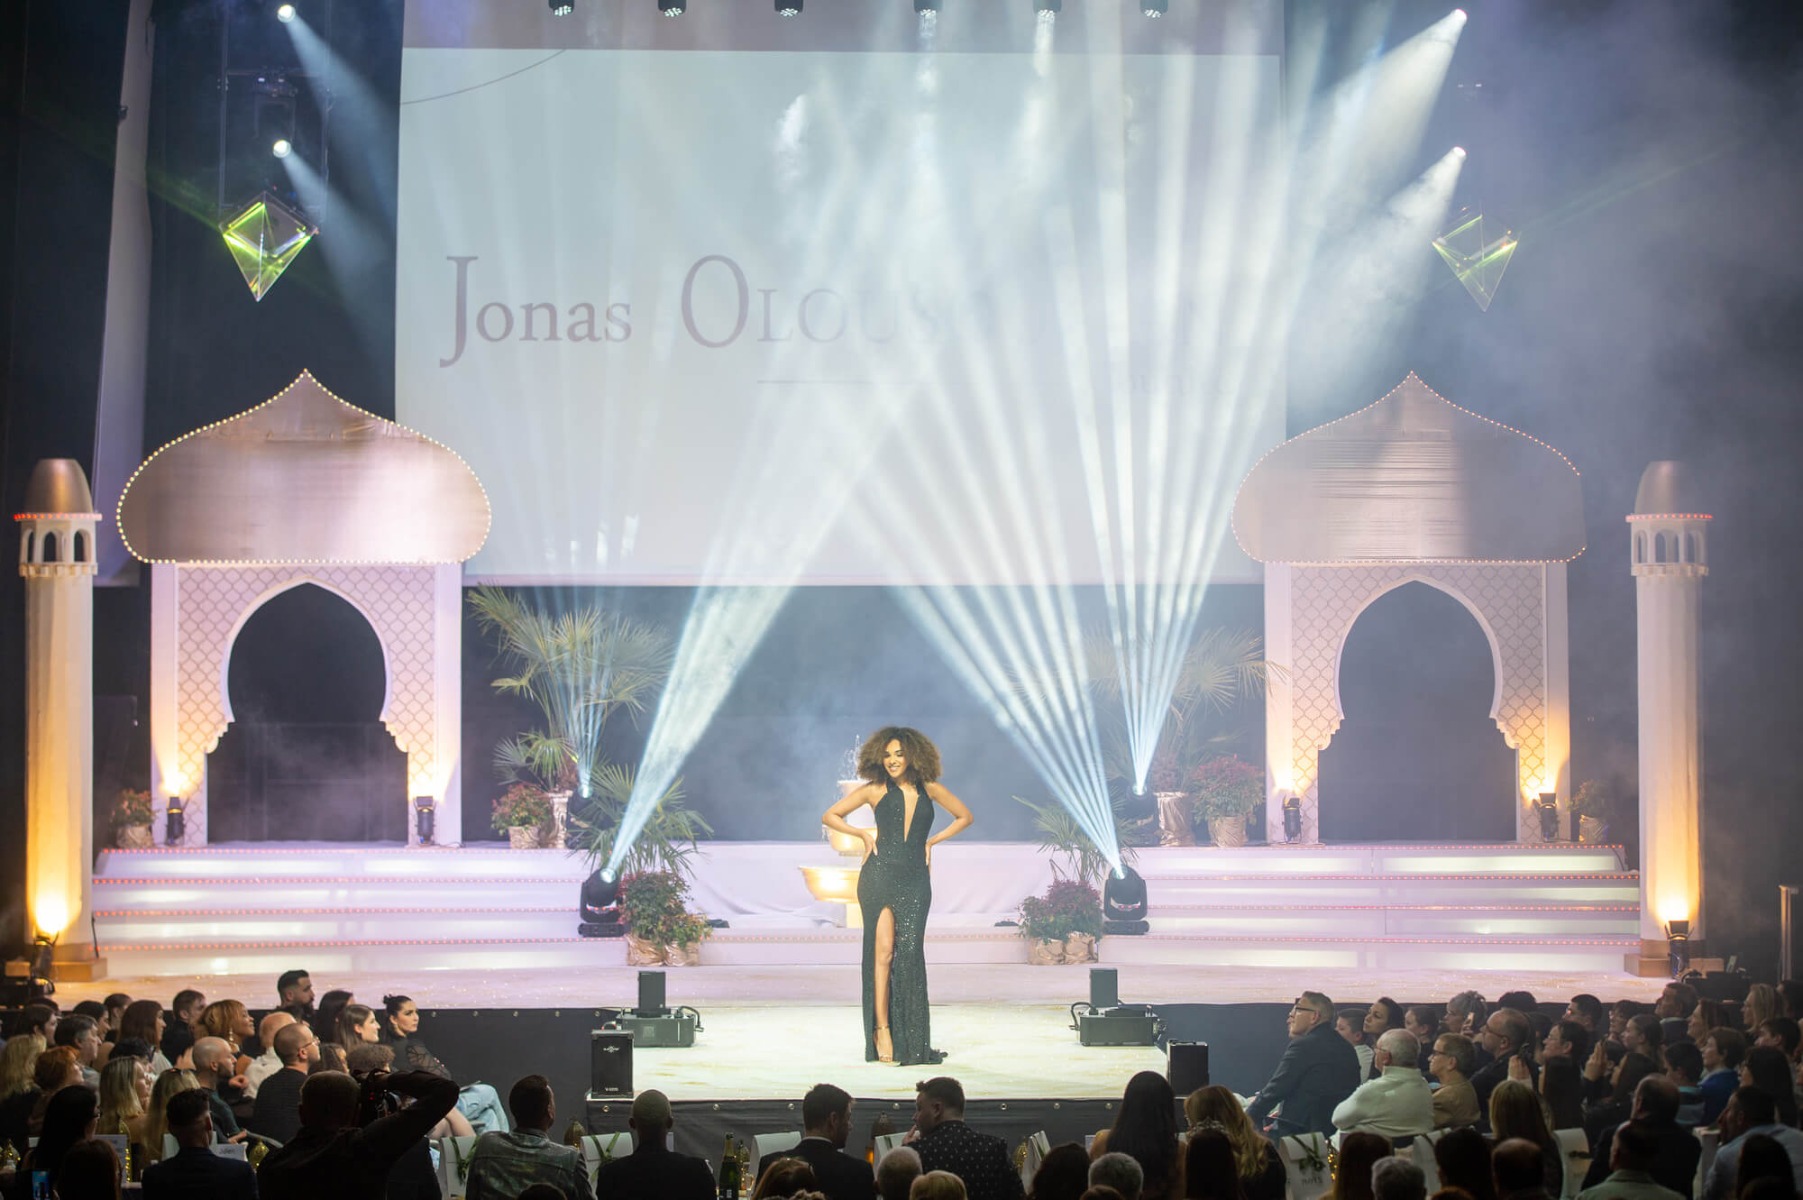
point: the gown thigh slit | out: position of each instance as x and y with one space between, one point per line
895 878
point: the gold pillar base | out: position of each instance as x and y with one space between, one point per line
74 962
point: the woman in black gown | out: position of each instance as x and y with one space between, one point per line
900 768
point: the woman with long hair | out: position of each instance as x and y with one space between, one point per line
325 1017
125 1085
90 1172
1063 1174
18 1088
477 1103
1619 1105
784 1178
1145 1130
1463 1159
900 769
57 1068
1260 1170
1516 1112
143 1020
68 1118
156 1121
1766 1068
357 1025
1359 1152
1562 1089
1383 1015
1760 1006
1211 1168
229 1020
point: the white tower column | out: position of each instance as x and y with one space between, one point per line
56 557
1669 553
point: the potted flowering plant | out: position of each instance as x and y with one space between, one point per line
659 926
1590 808
523 813
131 820
1062 924
1227 790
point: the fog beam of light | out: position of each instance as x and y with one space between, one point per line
1394 97
365 122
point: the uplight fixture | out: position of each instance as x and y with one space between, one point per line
175 822
285 13
282 148
1046 6
921 6
561 8
425 819
1155 8
1677 940
672 8
1548 808
788 8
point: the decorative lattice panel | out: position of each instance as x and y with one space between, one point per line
1508 601
216 601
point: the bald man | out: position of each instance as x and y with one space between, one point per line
332 1156
652 1172
213 1062
268 1062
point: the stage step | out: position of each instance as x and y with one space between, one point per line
1579 954
1403 920
1179 891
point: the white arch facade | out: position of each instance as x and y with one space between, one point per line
1521 607
196 615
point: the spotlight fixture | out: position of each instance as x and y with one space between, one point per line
1548 808
788 8
1050 6
1155 8
921 6
425 819
43 960
1292 818
672 8
1124 902
282 148
600 907
175 822
561 8
1677 939
285 13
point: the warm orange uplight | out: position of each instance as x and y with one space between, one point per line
1672 908
50 913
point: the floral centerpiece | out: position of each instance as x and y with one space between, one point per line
523 813
1062 924
1590 807
659 926
131 820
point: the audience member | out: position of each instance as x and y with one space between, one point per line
294 995
1781 1033
1562 1090
56 1069
356 1025
1749 1111
1677 1000
169 1084
1620 1013
897 1170
1211 1167
1520 1169
40 1017
1350 1024
1630 1160
229 1021
1145 1129
213 1062
1766 1068
69 1117
653 1171
477 1102
1384 1014
325 1017
1790 997
1063 1174
1516 1115
1397 1179
1317 1071
1398 1102
505 1164
268 1062
1567 1038
115 1004
1506 1036
785 1177
333 1156
1723 1048
125 1098
1521 1001
1455 1100
90 1172
1423 1020
277 1113
945 1143
81 1033
1644 1035
825 1128
1261 1172
1588 1012
1462 1158
1763 1158
1465 1014
1359 1152
1708 1014
1760 1006
1101 1191
143 1020
1619 1105
177 1037
18 1089
1684 1067
194 1172
1120 1172
940 1185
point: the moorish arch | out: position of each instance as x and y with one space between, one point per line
304 489
1413 488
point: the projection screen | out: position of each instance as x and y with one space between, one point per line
854 297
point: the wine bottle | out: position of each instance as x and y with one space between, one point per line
729 1172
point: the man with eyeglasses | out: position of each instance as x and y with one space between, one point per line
277 1113
1319 1069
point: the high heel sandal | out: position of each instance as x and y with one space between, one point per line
882 1032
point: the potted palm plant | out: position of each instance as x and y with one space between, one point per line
1056 923
664 844
659 927
1227 790
523 813
131 820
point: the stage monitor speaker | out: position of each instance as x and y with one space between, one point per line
610 1063
651 995
1186 1066
1104 987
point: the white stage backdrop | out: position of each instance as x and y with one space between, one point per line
839 299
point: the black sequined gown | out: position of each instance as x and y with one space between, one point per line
895 877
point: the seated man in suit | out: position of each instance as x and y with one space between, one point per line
194 1172
945 1143
652 1171
825 1125
1317 1071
